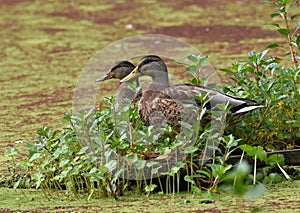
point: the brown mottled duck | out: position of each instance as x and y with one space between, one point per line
162 104
126 94
119 71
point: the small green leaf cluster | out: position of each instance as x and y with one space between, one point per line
267 174
262 79
274 82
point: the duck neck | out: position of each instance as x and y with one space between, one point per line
159 84
160 80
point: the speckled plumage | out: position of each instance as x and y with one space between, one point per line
163 104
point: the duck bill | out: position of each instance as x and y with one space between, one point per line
104 77
134 73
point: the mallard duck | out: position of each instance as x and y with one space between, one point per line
162 104
119 71
126 94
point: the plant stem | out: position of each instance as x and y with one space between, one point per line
130 134
187 173
173 185
160 184
241 160
254 172
178 181
263 116
293 57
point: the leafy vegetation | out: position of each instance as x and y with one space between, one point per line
263 78
110 152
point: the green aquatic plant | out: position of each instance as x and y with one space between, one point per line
273 81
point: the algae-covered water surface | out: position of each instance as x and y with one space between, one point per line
46 44
283 197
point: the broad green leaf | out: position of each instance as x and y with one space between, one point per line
254 150
297 133
275 178
11 152
189 179
219 170
193 69
38 177
76 169
262 54
248 149
274 24
202 60
152 163
111 165
194 58
260 153
206 173
67 116
190 149
271 46
132 157
295 16
35 156
274 15
83 150
298 40
227 71
16 185
64 162
274 159
197 190
150 187
283 31
140 164
64 173
22 165
230 141
285 2
155 170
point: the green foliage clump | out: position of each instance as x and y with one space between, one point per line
268 81
261 79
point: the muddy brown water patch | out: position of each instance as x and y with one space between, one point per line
43 97
219 33
13 2
181 5
209 210
15 78
100 17
52 31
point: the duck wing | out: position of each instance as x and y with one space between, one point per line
178 103
186 94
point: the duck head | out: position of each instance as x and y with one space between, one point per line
150 65
120 70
